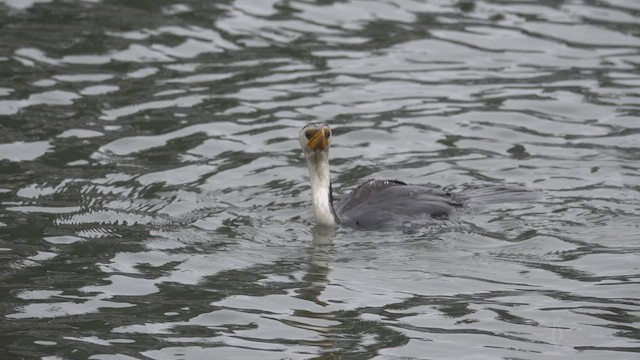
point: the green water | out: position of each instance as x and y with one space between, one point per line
154 202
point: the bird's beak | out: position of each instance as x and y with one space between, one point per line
319 140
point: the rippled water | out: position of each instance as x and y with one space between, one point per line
155 203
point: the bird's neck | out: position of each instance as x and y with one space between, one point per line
321 190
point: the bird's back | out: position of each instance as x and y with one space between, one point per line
377 203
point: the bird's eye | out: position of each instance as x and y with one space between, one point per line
308 134
327 134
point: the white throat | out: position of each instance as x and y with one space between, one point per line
318 165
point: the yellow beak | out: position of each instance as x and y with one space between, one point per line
319 140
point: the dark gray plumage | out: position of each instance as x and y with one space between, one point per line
378 203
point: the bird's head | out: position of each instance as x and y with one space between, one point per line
315 139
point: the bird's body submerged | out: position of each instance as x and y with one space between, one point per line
373 204
378 203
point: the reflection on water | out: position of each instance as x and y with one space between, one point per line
155 202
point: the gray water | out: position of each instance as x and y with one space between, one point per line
154 202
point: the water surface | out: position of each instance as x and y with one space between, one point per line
154 203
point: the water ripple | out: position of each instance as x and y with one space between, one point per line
154 201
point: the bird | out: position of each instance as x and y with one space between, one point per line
373 204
